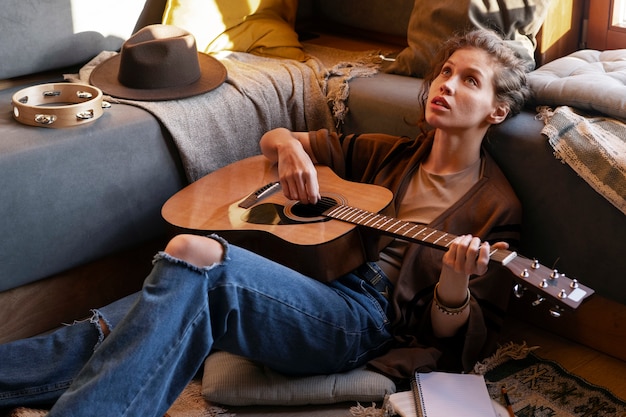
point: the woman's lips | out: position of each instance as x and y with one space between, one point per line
441 102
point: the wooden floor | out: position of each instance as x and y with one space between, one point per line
593 366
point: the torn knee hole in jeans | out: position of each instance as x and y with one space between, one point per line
100 323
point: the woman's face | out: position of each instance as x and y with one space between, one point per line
462 96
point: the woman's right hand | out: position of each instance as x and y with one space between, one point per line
296 168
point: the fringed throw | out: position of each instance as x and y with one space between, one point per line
594 147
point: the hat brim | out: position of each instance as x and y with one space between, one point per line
104 76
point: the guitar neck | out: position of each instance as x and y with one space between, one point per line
412 232
549 283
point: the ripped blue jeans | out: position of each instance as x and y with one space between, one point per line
160 336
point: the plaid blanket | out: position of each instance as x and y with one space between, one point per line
594 147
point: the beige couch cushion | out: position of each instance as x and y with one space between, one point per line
588 80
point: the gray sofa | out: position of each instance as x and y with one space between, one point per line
81 206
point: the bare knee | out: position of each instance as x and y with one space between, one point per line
197 250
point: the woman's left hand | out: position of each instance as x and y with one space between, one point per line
468 255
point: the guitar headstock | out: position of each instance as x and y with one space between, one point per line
549 284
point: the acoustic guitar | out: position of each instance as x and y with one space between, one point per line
243 202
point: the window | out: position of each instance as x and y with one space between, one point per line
618 14
607 24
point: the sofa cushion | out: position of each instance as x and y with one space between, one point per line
262 27
432 22
73 195
588 80
61 33
389 17
384 103
233 380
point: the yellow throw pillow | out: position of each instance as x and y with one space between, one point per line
261 27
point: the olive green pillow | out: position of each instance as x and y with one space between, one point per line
432 22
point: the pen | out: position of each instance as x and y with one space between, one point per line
507 402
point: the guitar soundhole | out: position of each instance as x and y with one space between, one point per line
308 213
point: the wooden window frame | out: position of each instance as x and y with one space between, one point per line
601 33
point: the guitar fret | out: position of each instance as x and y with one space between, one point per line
341 212
419 232
430 234
409 229
440 237
370 217
393 225
356 215
378 219
422 231
353 215
386 220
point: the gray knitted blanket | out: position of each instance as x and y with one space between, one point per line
222 126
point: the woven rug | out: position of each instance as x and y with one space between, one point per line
536 388
539 387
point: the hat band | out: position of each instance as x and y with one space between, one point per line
154 65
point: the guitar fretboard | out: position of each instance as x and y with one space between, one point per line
413 232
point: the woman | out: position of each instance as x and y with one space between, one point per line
416 307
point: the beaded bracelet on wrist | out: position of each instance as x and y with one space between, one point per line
451 311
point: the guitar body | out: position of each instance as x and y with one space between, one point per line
276 227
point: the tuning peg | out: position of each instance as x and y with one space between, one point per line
562 294
535 264
524 273
538 301
543 283
574 284
555 274
556 311
518 290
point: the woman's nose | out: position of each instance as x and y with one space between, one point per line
446 88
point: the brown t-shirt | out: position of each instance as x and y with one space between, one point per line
427 196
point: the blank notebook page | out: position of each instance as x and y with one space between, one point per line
445 395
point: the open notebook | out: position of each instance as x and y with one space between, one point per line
441 394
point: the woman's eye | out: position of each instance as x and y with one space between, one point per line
472 81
